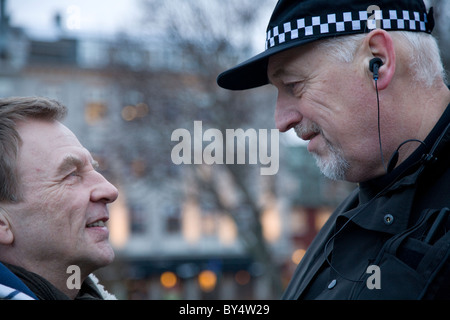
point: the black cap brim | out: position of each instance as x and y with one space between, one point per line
249 74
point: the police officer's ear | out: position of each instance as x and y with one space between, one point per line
6 234
379 44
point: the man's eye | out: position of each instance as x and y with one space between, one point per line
73 174
294 88
292 85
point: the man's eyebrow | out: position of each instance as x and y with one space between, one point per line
282 72
71 161
275 75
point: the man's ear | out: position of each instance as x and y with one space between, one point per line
379 44
6 234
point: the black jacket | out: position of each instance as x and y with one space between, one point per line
388 239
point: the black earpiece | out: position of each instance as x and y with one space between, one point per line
374 65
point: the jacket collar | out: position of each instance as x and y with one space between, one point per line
44 290
375 195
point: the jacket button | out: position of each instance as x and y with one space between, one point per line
388 219
332 284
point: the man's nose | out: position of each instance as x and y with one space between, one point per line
286 114
103 190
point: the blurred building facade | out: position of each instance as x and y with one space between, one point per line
169 244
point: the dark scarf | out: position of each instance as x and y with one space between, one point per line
44 290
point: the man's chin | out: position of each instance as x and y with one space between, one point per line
101 257
333 166
108 255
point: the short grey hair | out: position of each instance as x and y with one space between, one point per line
12 111
424 53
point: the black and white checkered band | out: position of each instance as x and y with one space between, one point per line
353 22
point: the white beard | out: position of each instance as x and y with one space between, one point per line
333 166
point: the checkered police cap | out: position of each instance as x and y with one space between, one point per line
297 22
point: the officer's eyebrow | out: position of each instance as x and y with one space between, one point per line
283 72
275 75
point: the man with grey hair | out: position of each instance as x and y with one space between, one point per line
364 84
53 206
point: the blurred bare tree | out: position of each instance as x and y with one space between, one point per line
203 38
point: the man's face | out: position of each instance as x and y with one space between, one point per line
61 218
330 104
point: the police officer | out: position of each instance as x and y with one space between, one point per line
364 84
